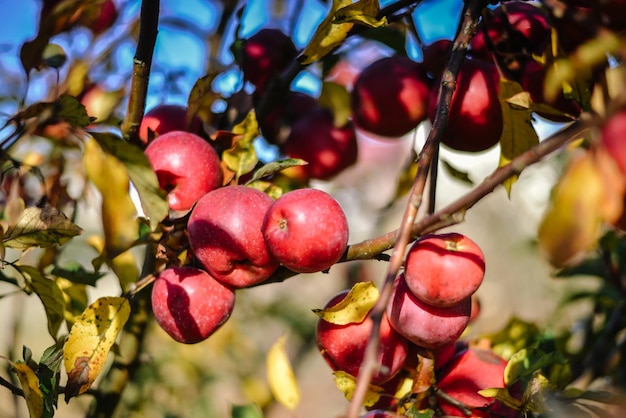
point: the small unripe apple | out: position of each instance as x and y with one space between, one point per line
306 230
467 373
165 118
328 149
475 117
343 346
397 105
186 166
189 304
264 55
445 269
225 235
425 325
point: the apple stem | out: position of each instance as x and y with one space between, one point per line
466 29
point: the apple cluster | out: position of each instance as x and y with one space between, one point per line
429 309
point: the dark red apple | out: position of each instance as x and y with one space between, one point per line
425 325
264 55
189 304
343 346
276 124
99 17
187 167
613 138
225 235
165 118
514 28
306 230
436 56
467 373
394 106
475 117
444 269
327 148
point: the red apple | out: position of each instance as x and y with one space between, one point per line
436 57
165 118
225 235
395 106
327 148
276 124
443 270
613 138
189 304
99 16
187 167
467 373
475 117
427 326
343 346
515 28
306 230
264 55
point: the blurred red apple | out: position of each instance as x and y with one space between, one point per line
165 118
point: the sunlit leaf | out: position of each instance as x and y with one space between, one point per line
280 376
327 36
76 300
201 98
242 158
153 199
527 361
502 395
336 98
40 227
30 385
413 412
126 268
363 11
514 336
49 294
111 178
275 167
346 383
90 341
246 411
534 398
518 134
354 307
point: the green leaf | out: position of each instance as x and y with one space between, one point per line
49 294
413 412
153 199
503 395
523 364
49 373
275 167
40 227
336 98
76 273
241 158
454 172
246 411
592 266
72 111
518 134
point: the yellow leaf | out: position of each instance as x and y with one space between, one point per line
110 176
346 383
50 295
125 267
281 377
363 11
242 158
328 35
30 385
518 134
354 307
40 227
572 222
336 98
90 341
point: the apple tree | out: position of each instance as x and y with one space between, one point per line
155 235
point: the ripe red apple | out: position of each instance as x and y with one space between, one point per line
225 235
425 325
343 346
436 56
264 55
532 80
276 124
395 106
475 118
518 27
189 304
165 118
445 269
306 230
327 148
467 373
187 167
100 16
613 138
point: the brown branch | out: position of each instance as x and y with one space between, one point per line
467 28
148 30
